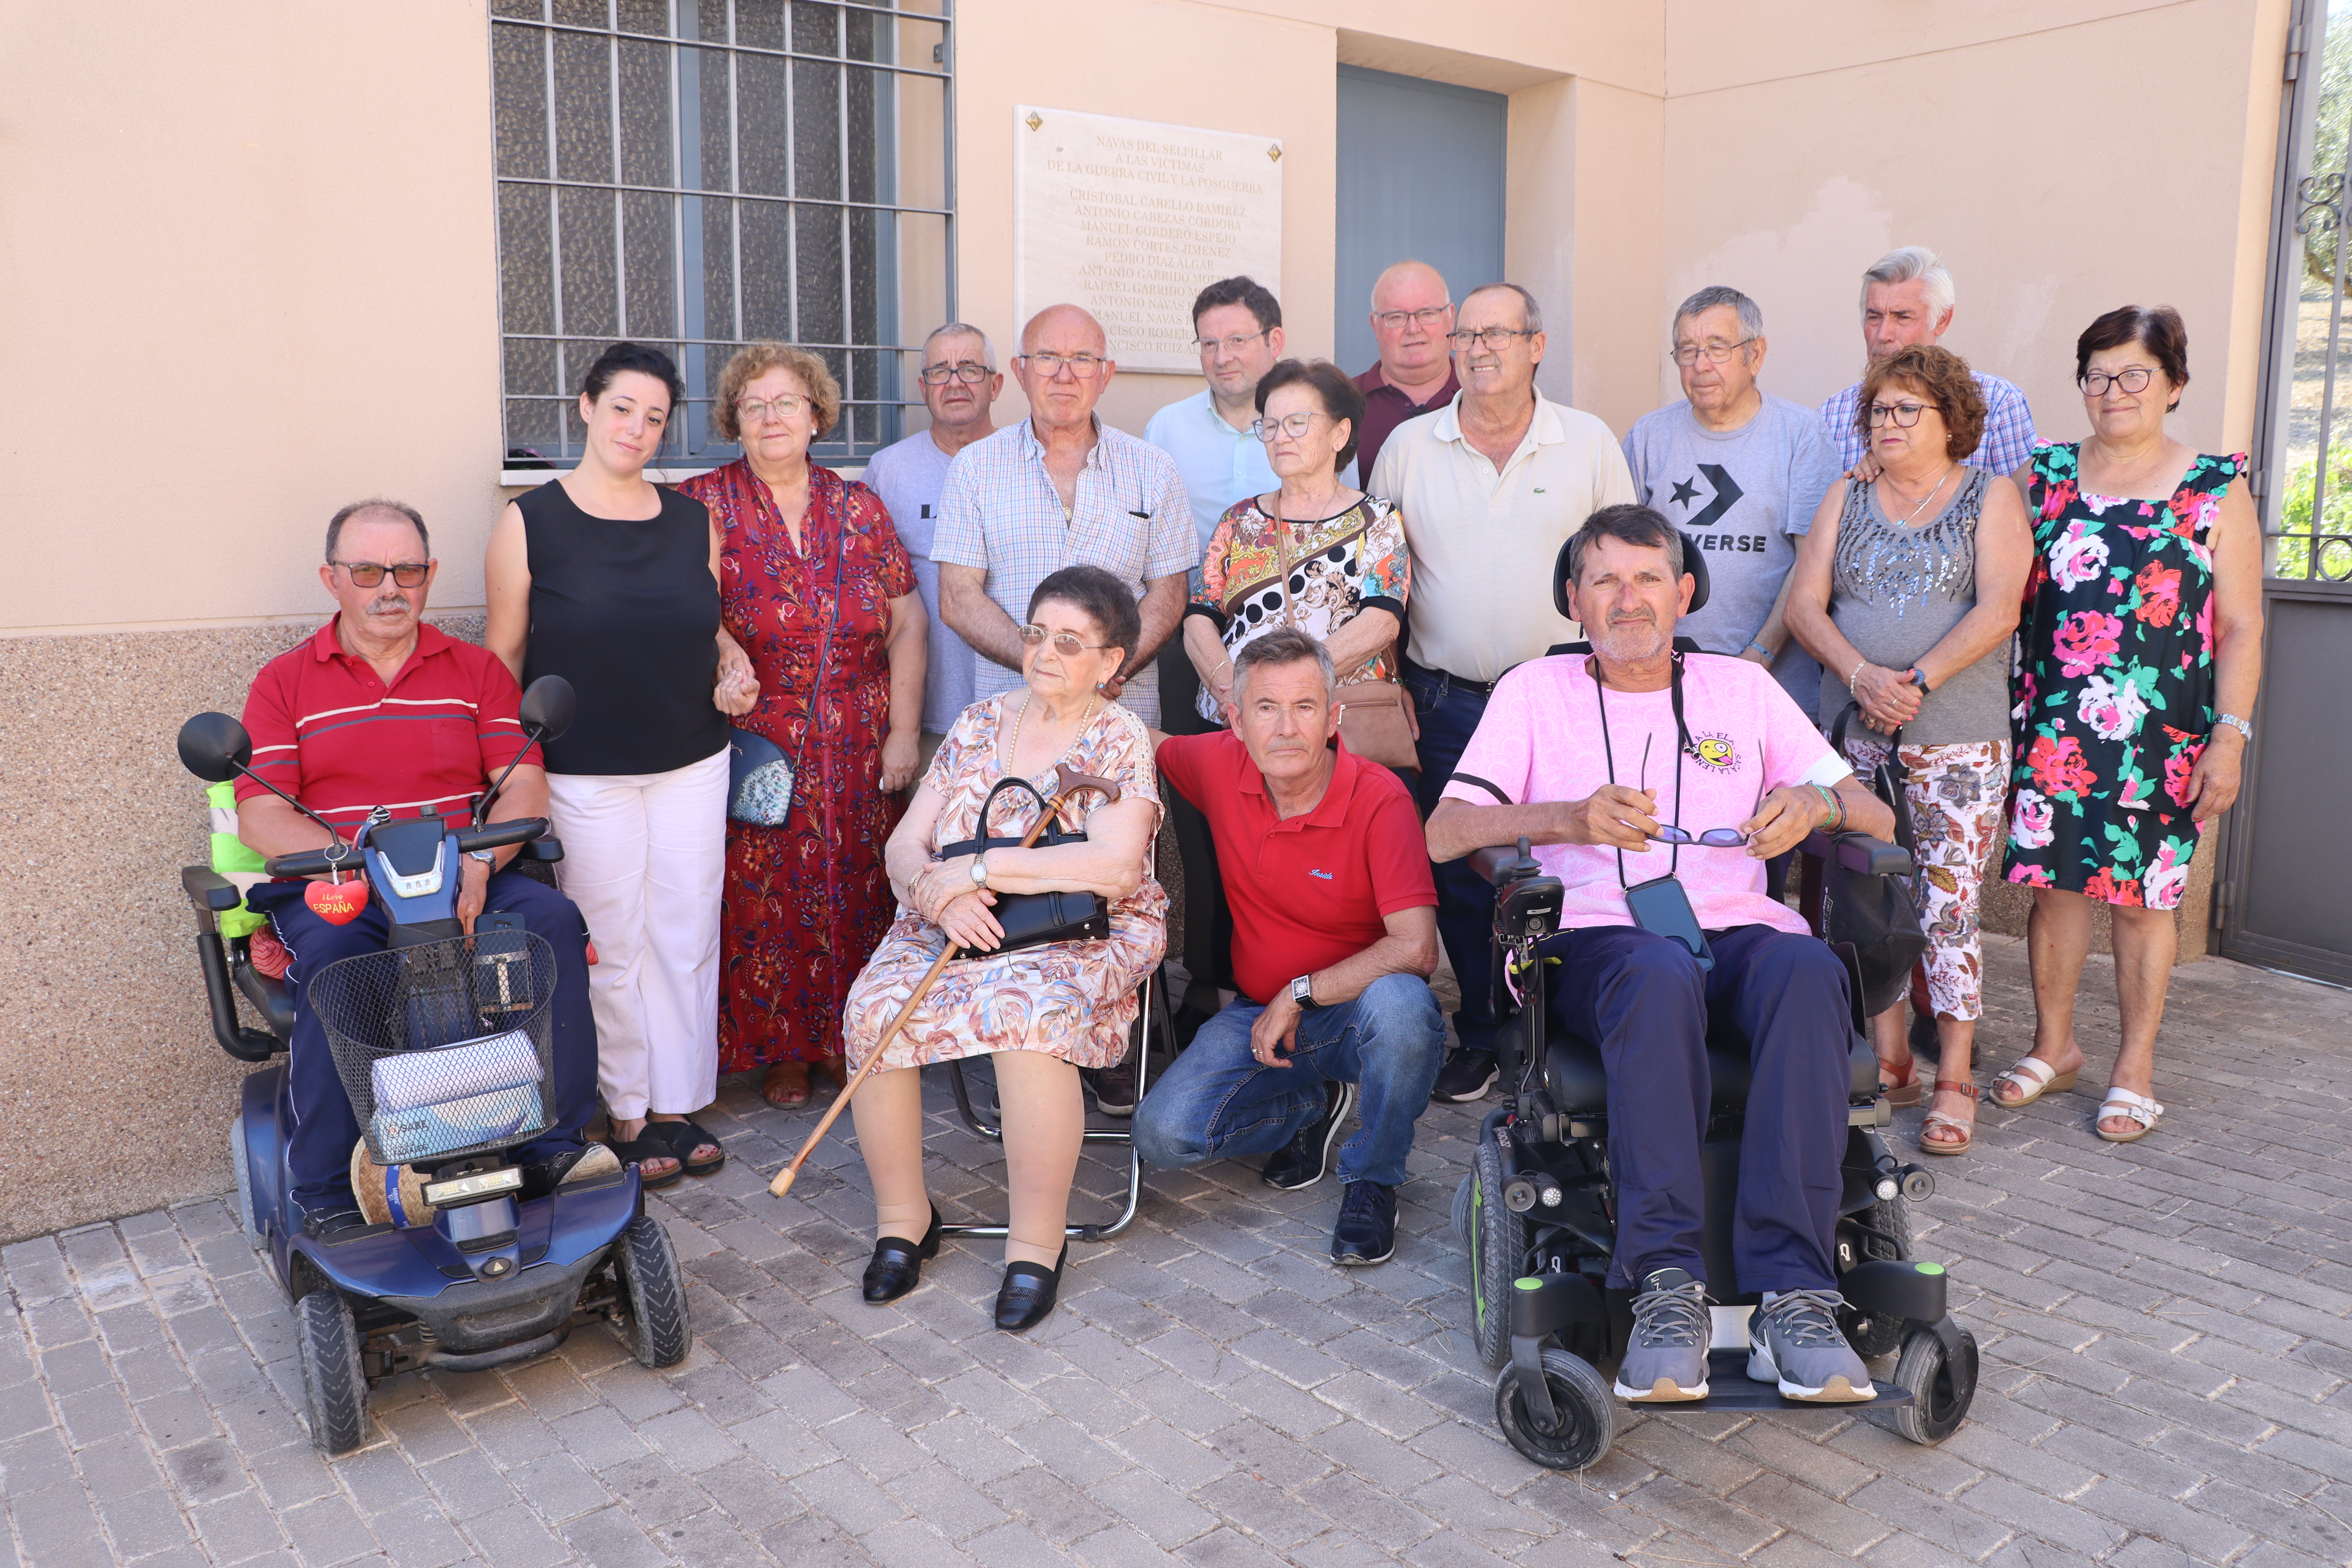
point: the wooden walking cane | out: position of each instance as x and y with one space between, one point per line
1067 781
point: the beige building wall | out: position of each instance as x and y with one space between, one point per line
253 256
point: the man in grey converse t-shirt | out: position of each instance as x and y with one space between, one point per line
1741 472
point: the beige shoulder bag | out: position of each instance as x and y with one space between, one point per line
1376 716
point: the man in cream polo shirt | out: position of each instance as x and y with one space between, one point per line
1491 486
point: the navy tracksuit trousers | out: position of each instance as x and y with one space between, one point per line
1645 1001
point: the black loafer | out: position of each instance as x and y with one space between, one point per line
322 1224
1028 1293
896 1265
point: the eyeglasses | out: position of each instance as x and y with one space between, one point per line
1085 367
1294 426
2095 382
1064 643
1231 345
1427 316
964 371
1714 837
1718 352
1487 337
1904 415
369 574
757 411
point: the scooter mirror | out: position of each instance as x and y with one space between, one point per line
548 706
215 747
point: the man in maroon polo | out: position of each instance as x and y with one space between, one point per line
379 709
1411 313
1335 933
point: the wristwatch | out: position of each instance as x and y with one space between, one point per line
487 857
980 870
1917 677
1302 994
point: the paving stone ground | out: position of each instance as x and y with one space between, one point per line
2167 1375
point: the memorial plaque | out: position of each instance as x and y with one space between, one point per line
1131 218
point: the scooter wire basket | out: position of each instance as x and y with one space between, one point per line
445 1049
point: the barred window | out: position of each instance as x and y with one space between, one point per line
700 174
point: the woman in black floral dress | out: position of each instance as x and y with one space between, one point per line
2138 660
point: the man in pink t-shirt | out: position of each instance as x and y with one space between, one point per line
1593 759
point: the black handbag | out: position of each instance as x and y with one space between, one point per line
1031 920
1876 914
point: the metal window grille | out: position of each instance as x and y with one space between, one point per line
698 174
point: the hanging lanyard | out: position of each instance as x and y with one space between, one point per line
1682 746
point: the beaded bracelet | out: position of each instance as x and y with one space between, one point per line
1858 666
1836 806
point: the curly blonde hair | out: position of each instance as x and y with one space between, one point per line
753 360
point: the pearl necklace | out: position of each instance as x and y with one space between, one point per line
1012 751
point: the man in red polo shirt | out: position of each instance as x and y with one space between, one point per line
379 709
1335 933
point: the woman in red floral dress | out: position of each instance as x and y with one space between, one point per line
807 901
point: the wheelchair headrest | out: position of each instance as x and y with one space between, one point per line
1694 564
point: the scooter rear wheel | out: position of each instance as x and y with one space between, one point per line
659 1331
331 1375
1587 1409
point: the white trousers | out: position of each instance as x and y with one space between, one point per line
645 856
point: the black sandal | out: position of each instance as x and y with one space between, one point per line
647 1146
683 1138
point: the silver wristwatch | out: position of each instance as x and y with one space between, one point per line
2243 727
980 870
487 857
1302 993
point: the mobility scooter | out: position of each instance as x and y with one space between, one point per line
443 1043
1539 1216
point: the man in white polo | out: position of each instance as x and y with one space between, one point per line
1491 486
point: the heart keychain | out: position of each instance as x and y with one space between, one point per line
338 902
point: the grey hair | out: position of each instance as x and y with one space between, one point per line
1530 313
1714 296
963 329
1281 645
335 523
1905 263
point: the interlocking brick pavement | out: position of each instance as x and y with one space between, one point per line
2168 1373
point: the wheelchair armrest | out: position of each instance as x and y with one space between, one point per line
1501 865
1859 853
211 894
548 849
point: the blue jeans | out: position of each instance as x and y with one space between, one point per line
319 1154
1645 1001
1218 1103
1449 715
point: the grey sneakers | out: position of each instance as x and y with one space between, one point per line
1666 1359
1793 1337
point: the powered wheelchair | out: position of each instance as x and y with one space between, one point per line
443 1043
1537 1215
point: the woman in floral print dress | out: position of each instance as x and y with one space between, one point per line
2138 660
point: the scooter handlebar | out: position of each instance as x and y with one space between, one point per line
491 835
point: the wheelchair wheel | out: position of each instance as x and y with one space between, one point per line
1498 1245
245 1214
332 1380
1941 1391
659 1330
1587 1413
1462 1209
1890 1218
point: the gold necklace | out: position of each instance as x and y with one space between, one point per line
1012 751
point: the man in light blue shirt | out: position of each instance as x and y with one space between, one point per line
960 384
1237 325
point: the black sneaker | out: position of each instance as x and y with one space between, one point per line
1302 1162
1466 1076
1366 1230
1114 1086
322 1224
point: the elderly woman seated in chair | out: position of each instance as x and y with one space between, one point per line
1041 1012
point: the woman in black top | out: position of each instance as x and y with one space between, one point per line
610 581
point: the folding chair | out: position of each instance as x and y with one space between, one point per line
1152 1014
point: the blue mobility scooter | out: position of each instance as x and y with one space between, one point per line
444 1044
1539 1216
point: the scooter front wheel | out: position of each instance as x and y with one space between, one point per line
331 1374
655 1288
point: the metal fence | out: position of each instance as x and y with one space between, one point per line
700 174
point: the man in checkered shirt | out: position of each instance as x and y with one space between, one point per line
1906 302
1062 488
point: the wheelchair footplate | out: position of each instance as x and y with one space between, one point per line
1729 1387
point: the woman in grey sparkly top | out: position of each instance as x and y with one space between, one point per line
1907 590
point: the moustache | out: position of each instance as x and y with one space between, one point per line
387 604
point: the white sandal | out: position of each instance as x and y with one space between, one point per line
2133 1107
2033 1078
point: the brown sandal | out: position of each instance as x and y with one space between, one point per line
1902 1093
786 1086
834 1067
1966 1130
